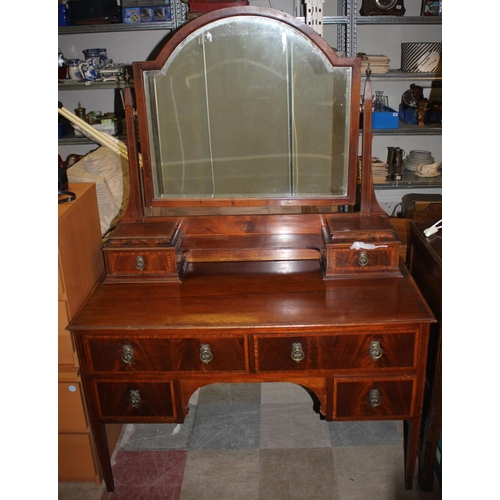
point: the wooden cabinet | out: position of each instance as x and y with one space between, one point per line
425 264
79 268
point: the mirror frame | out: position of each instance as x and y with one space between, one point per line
306 201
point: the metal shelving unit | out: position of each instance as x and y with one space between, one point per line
178 11
114 28
347 21
397 75
398 20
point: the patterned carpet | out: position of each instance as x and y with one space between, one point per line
257 441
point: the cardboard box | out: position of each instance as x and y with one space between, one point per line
388 118
152 14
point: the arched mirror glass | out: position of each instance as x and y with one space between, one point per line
248 107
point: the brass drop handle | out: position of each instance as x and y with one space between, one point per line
127 354
134 398
363 259
374 398
297 352
206 354
375 350
139 263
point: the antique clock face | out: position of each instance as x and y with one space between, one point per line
382 8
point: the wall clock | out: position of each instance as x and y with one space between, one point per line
382 8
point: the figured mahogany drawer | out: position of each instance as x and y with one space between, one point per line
139 262
157 353
207 354
135 398
335 352
367 399
140 353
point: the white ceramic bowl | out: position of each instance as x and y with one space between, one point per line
414 161
419 154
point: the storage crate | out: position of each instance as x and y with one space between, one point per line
388 118
409 116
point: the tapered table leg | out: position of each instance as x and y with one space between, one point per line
411 437
101 442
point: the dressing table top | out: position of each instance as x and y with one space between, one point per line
253 295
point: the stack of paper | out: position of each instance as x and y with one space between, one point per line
380 170
378 64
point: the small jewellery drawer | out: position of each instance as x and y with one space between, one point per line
360 259
137 398
335 352
156 353
343 260
135 264
366 399
137 353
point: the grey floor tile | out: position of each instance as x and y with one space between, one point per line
158 436
221 475
298 474
365 433
229 394
80 491
226 426
371 473
292 425
193 400
283 392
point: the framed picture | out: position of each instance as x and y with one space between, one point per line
431 8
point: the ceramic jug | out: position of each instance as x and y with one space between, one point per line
88 53
89 70
74 69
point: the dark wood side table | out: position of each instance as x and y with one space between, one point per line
425 264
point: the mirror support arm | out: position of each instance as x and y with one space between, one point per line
133 212
369 203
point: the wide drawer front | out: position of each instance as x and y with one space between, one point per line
367 399
335 352
135 399
156 353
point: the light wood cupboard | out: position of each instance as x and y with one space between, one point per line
80 265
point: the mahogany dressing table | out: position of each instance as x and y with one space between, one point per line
248 251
